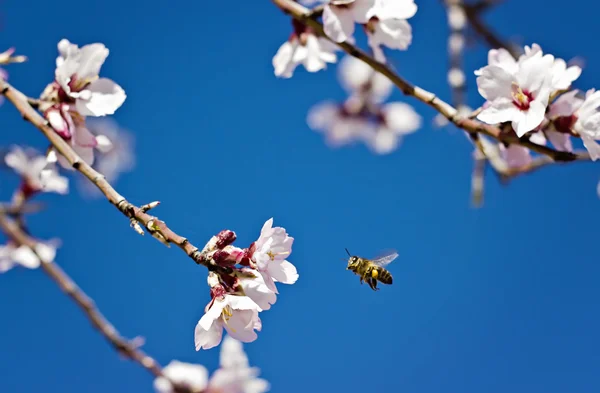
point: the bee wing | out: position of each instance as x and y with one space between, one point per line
385 258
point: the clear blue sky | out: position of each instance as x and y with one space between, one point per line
501 299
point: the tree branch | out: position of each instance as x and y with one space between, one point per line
471 126
68 286
136 214
537 163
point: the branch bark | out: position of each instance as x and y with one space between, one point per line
136 214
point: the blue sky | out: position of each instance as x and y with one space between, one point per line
497 299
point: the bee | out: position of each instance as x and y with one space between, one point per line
373 270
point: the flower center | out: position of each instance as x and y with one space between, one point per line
226 314
564 123
521 98
272 254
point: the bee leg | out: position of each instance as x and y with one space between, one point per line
372 283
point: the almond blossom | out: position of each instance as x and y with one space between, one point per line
234 374
362 117
237 314
114 153
385 21
269 253
520 97
397 119
72 127
37 173
77 72
572 114
11 255
193 377
303 47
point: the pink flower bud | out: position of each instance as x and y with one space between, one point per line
224 258
60 121
225 238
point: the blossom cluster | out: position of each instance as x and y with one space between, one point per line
243 283
533 94
385 23
362 116
233 375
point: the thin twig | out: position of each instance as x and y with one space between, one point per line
128 349
153 225
302 14
473 13
68 286
537 163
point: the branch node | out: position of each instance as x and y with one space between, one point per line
136 226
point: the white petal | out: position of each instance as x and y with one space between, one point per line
592 147
532 118
338 23
240 325
17 160
106 97
559 140
565 105
104 144
516 156
494 82
283 271
208 338
194 376
26 258
401 118
384 141
396 9
232 354
322 115
282 61
91 58
498 111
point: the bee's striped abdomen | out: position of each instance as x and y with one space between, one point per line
384 276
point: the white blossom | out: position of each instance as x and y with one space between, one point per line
270 253
77 72
237 314
11 255
398 119
520 97
309 50
192 376
234 374
38 174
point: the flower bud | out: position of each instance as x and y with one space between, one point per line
225 238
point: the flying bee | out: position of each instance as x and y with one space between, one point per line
373 270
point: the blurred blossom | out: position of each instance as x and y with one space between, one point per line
362 117
37 174
116 157
357 76
234 374
191 376
303 47
11 255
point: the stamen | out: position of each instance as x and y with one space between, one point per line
226 314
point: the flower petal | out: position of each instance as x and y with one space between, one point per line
105 98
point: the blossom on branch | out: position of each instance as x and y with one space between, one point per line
242 283
237 314
269 254
383 20
234 374
77 74
518 91
37 174
11 255
77 92
303 47
574 115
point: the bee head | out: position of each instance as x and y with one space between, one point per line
351 261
